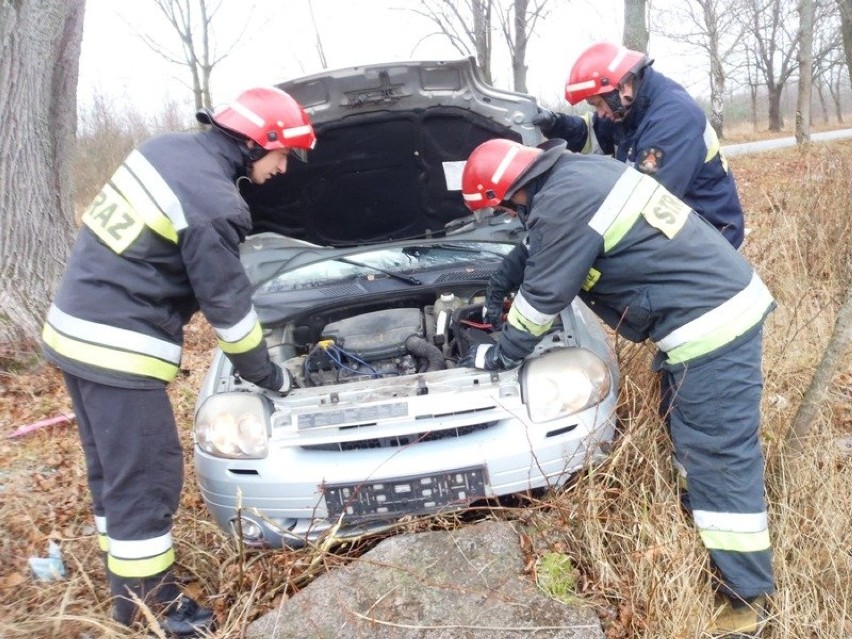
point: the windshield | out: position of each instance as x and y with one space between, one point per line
399 260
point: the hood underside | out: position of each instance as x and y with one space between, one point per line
391 140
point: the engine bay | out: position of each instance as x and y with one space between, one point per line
404 338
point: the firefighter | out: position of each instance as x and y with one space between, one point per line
651 122
651 268
158 243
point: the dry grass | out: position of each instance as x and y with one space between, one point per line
636 555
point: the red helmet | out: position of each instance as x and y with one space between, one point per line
492 169
599 69
269 116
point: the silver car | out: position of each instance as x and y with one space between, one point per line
369 279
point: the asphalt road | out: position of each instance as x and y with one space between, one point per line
732 150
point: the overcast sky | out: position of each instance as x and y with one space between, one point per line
279 43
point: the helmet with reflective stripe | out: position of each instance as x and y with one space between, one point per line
600 69
269 116
491 171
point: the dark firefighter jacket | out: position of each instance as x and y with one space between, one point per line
638 256
667 135
157 243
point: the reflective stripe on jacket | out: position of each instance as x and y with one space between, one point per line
640 258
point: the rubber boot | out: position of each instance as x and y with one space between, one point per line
737 618
186 618
155 592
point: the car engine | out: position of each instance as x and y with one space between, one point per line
381 343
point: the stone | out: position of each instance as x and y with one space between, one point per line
461 584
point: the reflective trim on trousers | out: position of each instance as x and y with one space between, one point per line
141 557
101 527
737 532
143 567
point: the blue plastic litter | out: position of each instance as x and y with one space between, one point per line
50 568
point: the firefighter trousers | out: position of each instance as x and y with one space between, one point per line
134 466
712 408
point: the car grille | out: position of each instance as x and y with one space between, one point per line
401 440
405 495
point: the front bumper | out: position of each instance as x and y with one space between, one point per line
358 469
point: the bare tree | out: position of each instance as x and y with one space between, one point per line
776 43
806 66
469 24
837 76
466 24
752 83
320 49
192 21
828 64
845 7
715 27
40 41
636 34
518 24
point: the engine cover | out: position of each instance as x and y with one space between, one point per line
377 335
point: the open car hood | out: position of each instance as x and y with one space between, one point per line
391 142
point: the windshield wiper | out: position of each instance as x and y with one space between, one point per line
461 248
397 276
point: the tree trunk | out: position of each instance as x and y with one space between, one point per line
519 51
836 92
776 122
845 7
753 103
717 96
806 68
40 41
320 49
636 25
822 103
837 345
482 36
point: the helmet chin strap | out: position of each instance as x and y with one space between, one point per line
613 101
520 210
250 156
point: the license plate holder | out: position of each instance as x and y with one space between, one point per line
415 495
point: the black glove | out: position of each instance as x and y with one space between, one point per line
504 280
492 312
286 381
487 357
544 120
279 380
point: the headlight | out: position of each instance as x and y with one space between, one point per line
233 425
562 382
